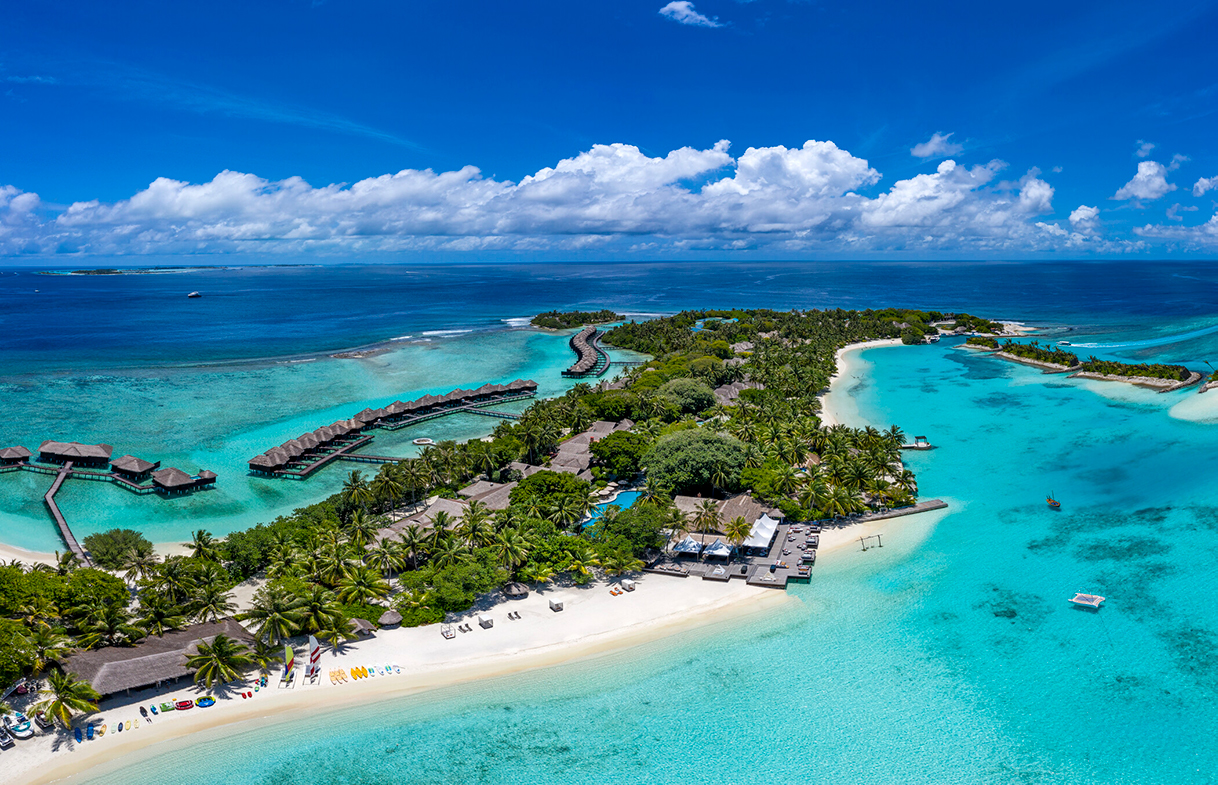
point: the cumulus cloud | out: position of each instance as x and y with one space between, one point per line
812 197
1203 237
682 12
1148 184
1085 219
1205 184
1144 149
937 146
1173 212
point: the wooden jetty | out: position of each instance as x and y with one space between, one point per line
64 531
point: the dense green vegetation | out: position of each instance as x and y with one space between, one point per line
334 561
981 340
558 320
1041 353
1176 373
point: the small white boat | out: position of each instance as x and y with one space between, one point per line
424 442
194 294
1087 600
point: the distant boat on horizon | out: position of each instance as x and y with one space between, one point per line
194 294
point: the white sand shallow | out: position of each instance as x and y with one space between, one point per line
836 404
592 623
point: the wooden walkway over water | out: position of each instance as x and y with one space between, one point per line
64 531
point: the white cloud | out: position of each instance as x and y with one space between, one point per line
1176 160
815 197
1149 183
1205 184
937 146
1085 219
1144 148
1173 212
1203 237
682 12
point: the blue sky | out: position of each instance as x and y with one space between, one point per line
327 116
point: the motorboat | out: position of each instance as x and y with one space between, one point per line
193 295
6 740
19 725
41 721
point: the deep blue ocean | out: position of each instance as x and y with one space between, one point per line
948 656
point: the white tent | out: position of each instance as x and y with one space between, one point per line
763 533
688 545
718 548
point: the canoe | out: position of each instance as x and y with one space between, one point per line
77 734
102 730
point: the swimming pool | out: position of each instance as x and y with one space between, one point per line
624 499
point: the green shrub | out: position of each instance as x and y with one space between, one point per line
695 459
109 549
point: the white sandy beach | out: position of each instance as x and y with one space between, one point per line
593 622
836 404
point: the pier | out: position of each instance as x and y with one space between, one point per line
591 360
64 531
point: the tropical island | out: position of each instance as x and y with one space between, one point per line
694 458
563 320
1053 359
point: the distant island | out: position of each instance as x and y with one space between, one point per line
1054 359
560 320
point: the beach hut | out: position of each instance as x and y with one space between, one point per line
516 591
366 416
390 618
172 480
293 448
362 627
80 454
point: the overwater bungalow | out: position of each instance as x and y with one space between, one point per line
12 455
134 469
173 480
79 454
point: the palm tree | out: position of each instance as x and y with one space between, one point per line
108 624
620 563
317 606
388 484
211 603
540 573
512 548
356 491
47 644
222 660
412 544
38 608
203 546
385 557
158 615
360 585
448 553
336 631
68 695
66 562
140 562
265 654
895 436
174 577
362 528
737 530
706 517
276 612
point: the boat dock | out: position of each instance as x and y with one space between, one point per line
790 558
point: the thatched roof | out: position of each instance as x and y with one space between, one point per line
128 463
205 474
362 626
353 424
17 453
263 461
155 659
72 450
278 455
324 434
292 447
516 589
308 440
389 618
172 477
427 400
367 415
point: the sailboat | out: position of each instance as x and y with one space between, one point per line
1054 504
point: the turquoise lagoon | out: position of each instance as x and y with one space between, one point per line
948 656
217 416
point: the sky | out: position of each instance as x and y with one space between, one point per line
417 130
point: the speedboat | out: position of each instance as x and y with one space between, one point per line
19 726
193 295
6 740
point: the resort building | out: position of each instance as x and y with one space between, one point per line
12 455
78 454
134 469
151 662
173 480
764 519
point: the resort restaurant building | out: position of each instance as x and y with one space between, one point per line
153 662
764 520
79 454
